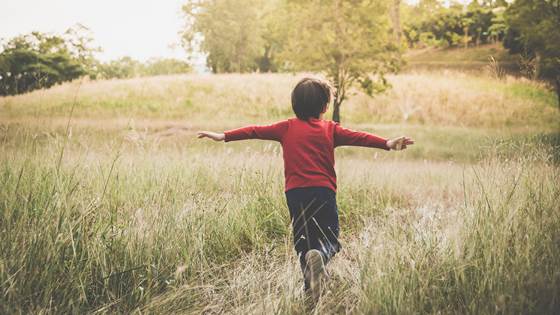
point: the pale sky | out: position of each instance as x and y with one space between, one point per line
137 28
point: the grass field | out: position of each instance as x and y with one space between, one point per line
121 210
458 58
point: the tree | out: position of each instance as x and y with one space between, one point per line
429 23
396 21
498 25
80 43
274 21
231 33
121 68
162 66
35 61
481 20
349 40
534 32
127 67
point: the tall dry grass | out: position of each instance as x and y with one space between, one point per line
126 212
134 229
445 98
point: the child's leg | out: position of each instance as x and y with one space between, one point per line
314 221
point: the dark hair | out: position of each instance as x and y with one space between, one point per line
309 97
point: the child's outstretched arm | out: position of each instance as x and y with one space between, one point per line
343 136
268 132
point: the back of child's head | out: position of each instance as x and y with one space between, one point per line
309 98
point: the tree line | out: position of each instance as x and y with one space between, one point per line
357 42
430 23
353 42
349 41
40 60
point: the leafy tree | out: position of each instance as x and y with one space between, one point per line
415 17
80 42
431 24
446 25
534 32
121 68
349 40
395 13
37 60
498 27
480 17
274 20
231 32
162 66
127 67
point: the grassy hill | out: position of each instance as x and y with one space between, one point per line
442 98
472 58
467 109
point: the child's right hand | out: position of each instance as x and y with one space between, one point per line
399 143
212 135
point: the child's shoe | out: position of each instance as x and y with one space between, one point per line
314 272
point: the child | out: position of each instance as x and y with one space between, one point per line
308 144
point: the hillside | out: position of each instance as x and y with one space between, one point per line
472 58
441 98
452 113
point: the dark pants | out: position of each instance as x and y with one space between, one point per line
314 217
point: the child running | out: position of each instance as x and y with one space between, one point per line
308 144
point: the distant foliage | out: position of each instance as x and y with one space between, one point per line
40 60
165 66
124 67
534 32
235 34
431 23
127 67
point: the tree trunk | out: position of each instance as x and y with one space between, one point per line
478 39
466 38
537 73
340 92
396 21
557 81
336 111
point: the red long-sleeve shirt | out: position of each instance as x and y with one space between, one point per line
308 147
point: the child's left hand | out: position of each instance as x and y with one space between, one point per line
216 136
399 143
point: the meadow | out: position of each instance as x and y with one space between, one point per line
111 205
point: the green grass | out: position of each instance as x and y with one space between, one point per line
472 58
122 230
129 213
447 98
525 91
